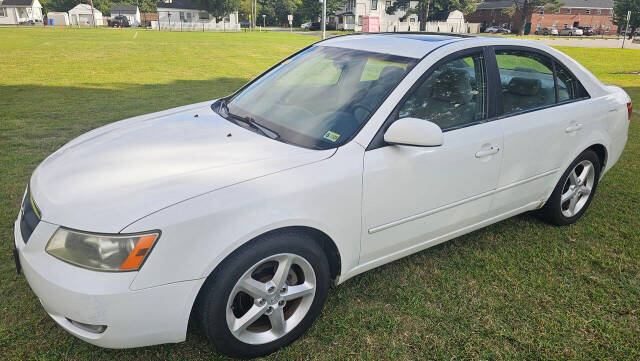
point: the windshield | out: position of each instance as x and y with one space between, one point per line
319 98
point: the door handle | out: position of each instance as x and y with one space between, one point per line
573 128
487 152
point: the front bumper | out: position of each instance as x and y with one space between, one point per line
138 318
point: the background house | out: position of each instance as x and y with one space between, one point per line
352 13
131 12
81 15
20 11
186 15
595 13
58 18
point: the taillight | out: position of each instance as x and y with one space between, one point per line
629 109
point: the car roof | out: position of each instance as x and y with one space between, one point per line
413 45
410 45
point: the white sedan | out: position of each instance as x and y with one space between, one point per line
347 155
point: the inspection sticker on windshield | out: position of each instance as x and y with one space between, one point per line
331 136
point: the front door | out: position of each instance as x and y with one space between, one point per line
414 195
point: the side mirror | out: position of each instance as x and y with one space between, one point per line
414 131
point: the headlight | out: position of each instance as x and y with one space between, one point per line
102 252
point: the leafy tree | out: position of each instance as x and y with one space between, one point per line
430 9
221 8
311 10
620 10
525 8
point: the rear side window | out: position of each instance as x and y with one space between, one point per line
452 96
569 88
527 80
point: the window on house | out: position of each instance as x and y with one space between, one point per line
608 27
611 14
568 11
453 96
374 4
555 25
588 11
566 26
527 80
539 26
360 20
599 12
412 20
387 4
204 15
541 12
3 12
595 27
557 11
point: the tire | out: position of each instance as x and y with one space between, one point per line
218 312
561 213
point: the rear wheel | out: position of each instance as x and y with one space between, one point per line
265 295
574 192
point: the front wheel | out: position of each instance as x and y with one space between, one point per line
265 295
574 192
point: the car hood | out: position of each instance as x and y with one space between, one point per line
114 175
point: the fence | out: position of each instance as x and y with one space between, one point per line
194 26
433 26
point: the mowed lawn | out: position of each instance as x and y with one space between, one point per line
520 289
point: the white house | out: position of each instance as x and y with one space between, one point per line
371 15
81 15
20 11
58 18
131 12
185 15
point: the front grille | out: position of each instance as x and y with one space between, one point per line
30 216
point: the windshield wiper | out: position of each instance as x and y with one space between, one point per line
251 123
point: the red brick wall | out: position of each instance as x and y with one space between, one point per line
577 15
547 19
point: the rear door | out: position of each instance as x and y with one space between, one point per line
542 118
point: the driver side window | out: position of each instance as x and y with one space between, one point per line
453 95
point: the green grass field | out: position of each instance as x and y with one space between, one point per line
520 289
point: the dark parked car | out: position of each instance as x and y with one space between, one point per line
318 26
587 30
119 21
31 22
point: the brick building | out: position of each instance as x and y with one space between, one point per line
595 13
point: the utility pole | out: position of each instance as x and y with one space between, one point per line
423 27
93 14
324 19
626 29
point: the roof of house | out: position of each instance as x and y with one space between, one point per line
588 4
84 9
180 4
16 3
124 9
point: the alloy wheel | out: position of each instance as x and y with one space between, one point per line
271 298
577 188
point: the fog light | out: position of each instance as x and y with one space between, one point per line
87 327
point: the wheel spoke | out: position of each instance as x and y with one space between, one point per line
241 324
573 178
280 277
568 195
255 289
277 321
572 204
297 291
586 170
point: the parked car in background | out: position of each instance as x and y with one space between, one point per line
239 213
32 22
547 31
318 26
570 31
306 26
497 29
119 21
245 24
587 30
